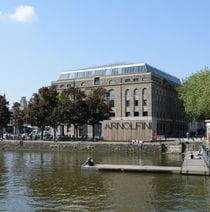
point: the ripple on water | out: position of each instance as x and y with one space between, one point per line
45 181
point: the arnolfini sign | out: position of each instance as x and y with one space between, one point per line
124 130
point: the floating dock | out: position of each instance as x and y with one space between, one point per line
134 168
195 166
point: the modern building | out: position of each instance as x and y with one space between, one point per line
143 100
23 103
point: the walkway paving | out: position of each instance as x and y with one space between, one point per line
196 166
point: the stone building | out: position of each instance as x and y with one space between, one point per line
143 100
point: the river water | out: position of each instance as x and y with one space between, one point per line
54 181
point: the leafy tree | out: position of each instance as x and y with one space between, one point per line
18 116
195 94
98 107
56 116
4 114
73 107
41 106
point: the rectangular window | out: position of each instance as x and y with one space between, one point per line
136 79
61 86
136 102
112 114
127 114
127 103
136 113
97 81
145 113
127 80
145 102
111 103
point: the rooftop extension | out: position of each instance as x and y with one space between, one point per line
117 69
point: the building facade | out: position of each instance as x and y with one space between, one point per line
143 100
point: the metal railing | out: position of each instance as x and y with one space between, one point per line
205 154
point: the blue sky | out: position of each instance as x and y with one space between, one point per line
41 38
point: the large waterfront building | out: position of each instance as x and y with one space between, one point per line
143 100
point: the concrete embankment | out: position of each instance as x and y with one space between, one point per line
81 146
168 147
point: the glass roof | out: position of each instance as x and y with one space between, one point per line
116 69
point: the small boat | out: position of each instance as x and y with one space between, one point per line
84 166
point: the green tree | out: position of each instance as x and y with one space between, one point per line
195 95
98 107
74 108
4 114
18 116
56 116
41 107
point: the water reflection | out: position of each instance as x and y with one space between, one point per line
3 178
38 181
63 182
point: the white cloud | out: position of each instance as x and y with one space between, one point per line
21 14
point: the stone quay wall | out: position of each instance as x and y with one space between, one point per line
168 147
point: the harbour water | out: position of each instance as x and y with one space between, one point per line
54 181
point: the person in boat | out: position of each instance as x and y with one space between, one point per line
89 162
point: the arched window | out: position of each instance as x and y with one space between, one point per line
135 96
111 82
144 102
135 92
144 91
111 98
127 98
127 92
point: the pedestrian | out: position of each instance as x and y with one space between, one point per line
187 135
191 155
155 136
21 141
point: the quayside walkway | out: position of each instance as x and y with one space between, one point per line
190 166
195 166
